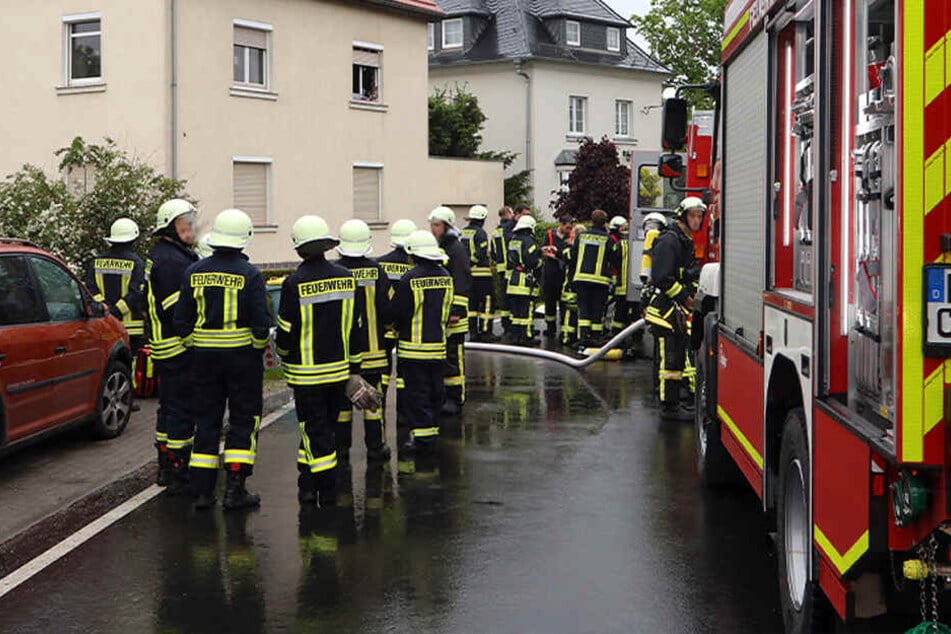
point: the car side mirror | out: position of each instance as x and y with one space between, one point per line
674 126
670 166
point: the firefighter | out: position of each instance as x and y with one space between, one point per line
165 269
673 276
223 312
370 307
524 263
654 223
117 277
395 264
314 338
422 308
623 312
593 257
554 251
442 222
500 248
476 241
569 299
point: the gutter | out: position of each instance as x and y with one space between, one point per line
173 150
529 164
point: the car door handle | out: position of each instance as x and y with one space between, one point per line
59 349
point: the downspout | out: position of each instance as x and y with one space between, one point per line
174 88
528 120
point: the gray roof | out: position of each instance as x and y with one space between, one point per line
516 29
566 157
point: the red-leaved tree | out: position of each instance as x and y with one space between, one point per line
599 181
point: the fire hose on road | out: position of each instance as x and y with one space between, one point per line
578 364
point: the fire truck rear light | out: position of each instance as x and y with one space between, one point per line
703 170
878 484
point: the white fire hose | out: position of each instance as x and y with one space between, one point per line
578 364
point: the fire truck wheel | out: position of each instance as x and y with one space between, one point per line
714 463
805 610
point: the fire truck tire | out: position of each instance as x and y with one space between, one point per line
714 464
805 609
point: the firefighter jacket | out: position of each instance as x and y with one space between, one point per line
674 276
395 265
458 267
554 268
524 263
422 308
315 334
476 241
164 273
223 303
594 256
117 277
370 308
500 248
648 253
622 268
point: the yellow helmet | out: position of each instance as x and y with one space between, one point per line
355 238
232 229
443 214
422 244
123 231
311 228
477 212
525 222
401 230
170 210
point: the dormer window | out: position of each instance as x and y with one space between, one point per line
573 33
614 39
452 33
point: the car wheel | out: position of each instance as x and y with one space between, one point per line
714 463
115 401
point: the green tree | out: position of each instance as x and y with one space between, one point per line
70 218
455 123
649 188
599 181
685 37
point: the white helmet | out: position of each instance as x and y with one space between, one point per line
688 203
232 229
617 222
355 238
123 231
422 244
525 222
655 216
401 230
170 210
444 215
477 212
311 228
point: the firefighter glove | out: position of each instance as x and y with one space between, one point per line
362 394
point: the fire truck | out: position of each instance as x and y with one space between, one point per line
825 360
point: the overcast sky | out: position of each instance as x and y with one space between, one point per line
627 8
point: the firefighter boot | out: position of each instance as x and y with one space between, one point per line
178 471
236 495
676 412
203 483
379 454
306 488
164 475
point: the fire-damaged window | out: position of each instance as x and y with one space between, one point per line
366 73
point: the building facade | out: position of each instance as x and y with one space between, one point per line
278 107
548 73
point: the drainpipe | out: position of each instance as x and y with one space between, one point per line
528 119
174 88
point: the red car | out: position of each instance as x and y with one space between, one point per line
64 360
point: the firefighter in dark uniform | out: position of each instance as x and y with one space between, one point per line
370 307
594 255
623 310
165 269
442 221
476 241
422 308
524 263
314 338
674 279
117 277
395 265
554 251
499 251
223 312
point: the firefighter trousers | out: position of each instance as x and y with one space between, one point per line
419 400
454 374
592 301
317 408
504 313
551 291
175 425
522 318
671 363
225 377
480 307
373 432
624 312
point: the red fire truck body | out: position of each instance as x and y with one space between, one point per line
699 172
826 358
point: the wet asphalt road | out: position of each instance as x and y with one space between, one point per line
559 503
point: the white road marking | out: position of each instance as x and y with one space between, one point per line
87 532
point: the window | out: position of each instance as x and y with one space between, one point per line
366 73
251 54
64 300
573 33
614 39
19 301
576 114
83 49
367 192
452 33
564 177
622 117
251 183
431 36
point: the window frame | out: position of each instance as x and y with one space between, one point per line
462 34
379 206
568 40
266 66
617 33
629 108
371 48
431 36
268 185
41 313
583 100
32 259
69 21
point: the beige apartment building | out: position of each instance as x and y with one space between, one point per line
278 107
